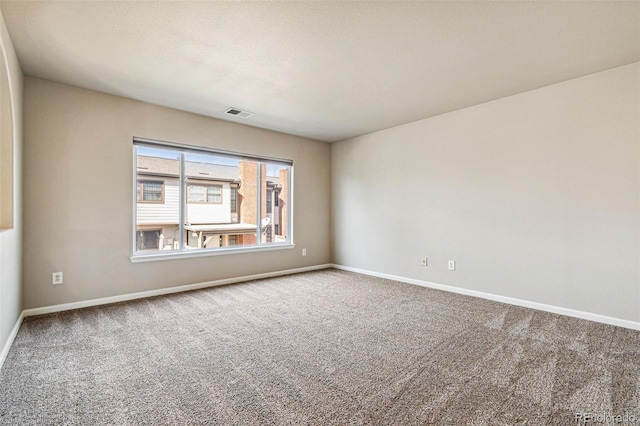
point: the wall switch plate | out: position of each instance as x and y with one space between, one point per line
56 278
452 265
304 252
424 261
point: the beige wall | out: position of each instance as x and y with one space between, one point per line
10 239
78 194
535 196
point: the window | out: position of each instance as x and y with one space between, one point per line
234 200
276 200
205 194
148 240
269 201
150 191
194 201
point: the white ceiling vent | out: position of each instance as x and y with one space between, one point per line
239 113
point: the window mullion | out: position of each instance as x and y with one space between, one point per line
289 205
259 202
183 202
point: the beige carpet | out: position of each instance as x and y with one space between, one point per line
326 347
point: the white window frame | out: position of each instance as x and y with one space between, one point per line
183 253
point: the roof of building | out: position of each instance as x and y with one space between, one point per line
157 166
211 171
168 167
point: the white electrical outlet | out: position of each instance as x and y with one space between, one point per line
56 278
304 252
424 261
452 265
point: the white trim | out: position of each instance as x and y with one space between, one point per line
259 204
634 325
185 254
10 339
291 207
163 291
183 204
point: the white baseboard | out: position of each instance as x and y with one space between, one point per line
162 291
504 299
10 339
132 296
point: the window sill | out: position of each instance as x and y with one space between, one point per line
187 254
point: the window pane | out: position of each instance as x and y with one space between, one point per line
276 183
222 201
214 194
158 199
151 190
234 200
196 193
269 200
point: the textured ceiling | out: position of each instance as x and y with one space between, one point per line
324 70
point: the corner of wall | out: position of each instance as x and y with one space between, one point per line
11 238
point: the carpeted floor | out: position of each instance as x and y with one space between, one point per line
325 347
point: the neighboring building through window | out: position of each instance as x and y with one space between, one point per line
194 199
